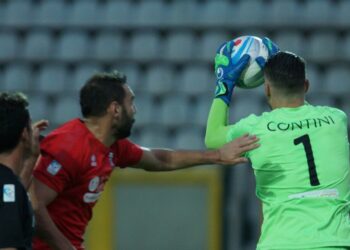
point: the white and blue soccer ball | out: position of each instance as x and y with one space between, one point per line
252 76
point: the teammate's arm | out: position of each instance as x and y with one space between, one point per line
167 159
45 227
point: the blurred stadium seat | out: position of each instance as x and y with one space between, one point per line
342 10
248 14
292 41
315 78
50 14
72 46
318 13
345 48
195 80
134 77
84 13
51 79
147 111
214 13
322 46
117 14
18 77
150 14
337 81
159 80
244 106
81 74
38 46
38 107
18 14
200 111
108 46
189 138
66 108
321 99
9 44
208 43
174 111
145 46
284 14
154 137
179 47
183 14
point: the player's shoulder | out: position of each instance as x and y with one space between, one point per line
66 142
253 120
331 110
7 176
123 145
67 134
124 141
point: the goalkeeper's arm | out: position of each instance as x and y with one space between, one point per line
217 127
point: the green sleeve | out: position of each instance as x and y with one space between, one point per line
217 129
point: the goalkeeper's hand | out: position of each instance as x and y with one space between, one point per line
272 49
227 72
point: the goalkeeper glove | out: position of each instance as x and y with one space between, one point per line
227 72
272 48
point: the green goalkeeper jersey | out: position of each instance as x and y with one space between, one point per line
302 176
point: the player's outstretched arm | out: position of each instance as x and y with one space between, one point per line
168 159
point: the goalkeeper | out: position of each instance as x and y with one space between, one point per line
302 166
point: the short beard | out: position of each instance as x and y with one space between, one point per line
125 127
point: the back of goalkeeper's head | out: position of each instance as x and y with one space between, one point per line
285 75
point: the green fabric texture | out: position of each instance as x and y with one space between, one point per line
301 170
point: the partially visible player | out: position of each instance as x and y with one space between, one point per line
19 149
78 158
302 166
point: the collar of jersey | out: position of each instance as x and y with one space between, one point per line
292 110
99 145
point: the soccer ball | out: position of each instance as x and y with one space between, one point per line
252 76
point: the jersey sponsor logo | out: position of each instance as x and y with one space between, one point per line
8 193
94 183
93 161
323 193
111 156
91 197
302 124
54 167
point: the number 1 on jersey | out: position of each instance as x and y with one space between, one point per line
305 140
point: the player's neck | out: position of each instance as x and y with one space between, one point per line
292 102
13 160
101 130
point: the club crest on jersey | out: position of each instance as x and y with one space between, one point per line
54 167
8 193
93 161
93 184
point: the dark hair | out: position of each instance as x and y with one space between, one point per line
99 91
14 117
286 72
